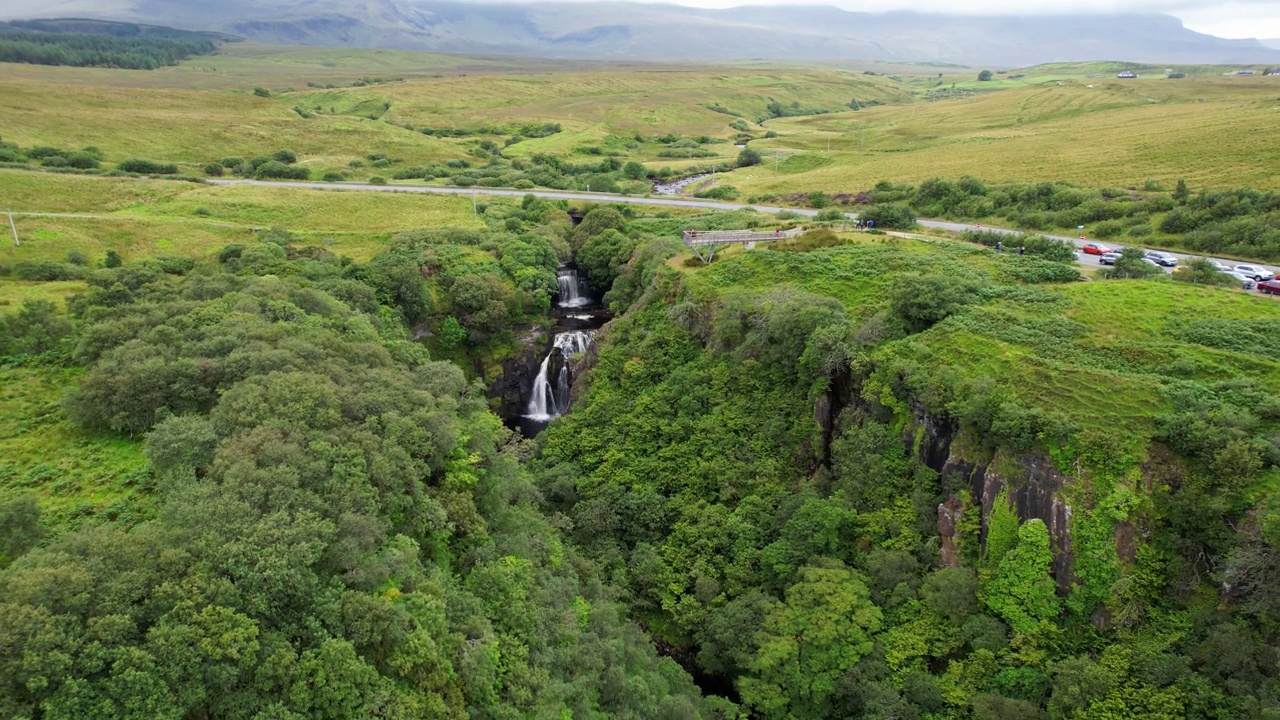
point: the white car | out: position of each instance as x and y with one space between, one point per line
1257 272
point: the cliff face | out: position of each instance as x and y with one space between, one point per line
1033 483
509 394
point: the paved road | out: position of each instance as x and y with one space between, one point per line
657 201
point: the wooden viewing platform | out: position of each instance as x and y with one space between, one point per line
696 239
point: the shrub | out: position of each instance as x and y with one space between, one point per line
47 270
75 257
748 157
112 260
202 212
830 215
377 180
82 160
39 152
213 170
984 76
147 167
332 177
1140 231
817 199
719 192
54 161
1108 229
889 215
279 171
231 162
262 92
288 157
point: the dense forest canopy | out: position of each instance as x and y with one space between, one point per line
109 45
847 476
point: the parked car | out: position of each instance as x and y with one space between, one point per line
1220 267
1109 258
1246 282
1270 287
1257 272
1095 249
1162 258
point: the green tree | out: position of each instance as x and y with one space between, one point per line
113 259
985 75
809 641
1022 591
1199 271
1132 264
262 92
634 170
748 157
1181 193
921 301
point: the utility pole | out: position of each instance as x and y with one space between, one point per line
13 227
475 213
775 162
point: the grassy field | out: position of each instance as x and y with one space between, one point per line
1070 121
145 218
1215 132
75 476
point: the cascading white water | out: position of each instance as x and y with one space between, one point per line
573 289
548 400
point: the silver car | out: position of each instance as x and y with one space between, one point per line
1246 282
1257 272
1162 258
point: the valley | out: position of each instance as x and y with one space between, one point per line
345 383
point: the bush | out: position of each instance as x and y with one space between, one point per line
54 161
377 180
748 157
984 76
1108 229
75 257
47 271
719 192
202 212
262 92
1140 231
277 170
112 260
40 152
288 157
332 177
147 167
830 215
889 215
82 160
231 162
214 170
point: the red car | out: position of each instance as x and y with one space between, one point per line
1270 287
1095 249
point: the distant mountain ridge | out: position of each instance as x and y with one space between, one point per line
636 31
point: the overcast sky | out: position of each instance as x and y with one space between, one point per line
1232 18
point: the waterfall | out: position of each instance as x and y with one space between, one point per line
573 289
551 399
